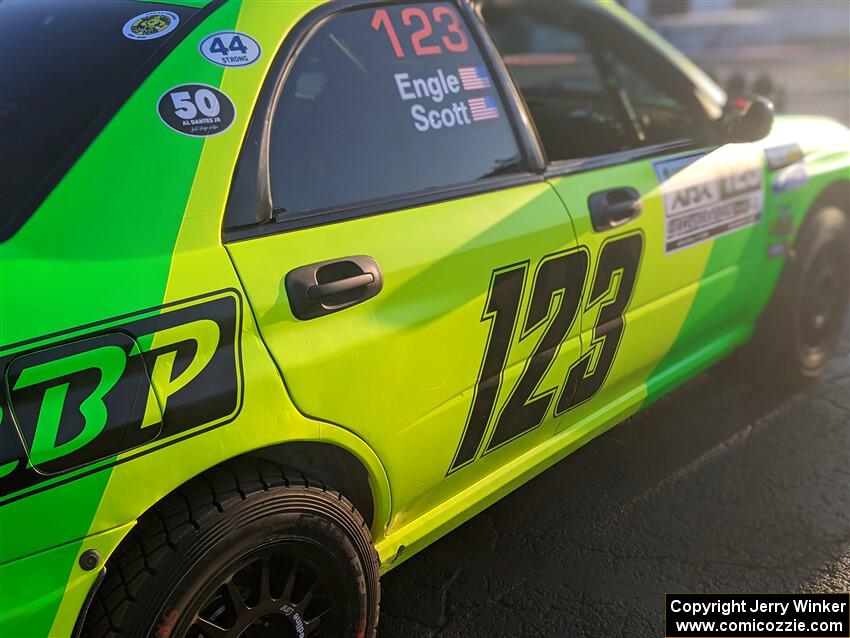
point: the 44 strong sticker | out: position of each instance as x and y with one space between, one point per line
558 286
230 48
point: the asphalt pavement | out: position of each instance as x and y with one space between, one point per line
730 484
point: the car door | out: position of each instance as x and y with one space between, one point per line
670 218
412 252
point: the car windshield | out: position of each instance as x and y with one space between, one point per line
69 67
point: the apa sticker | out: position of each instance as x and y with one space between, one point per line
706 196
230 48
151 25
197 110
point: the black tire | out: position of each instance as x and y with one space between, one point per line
242 547
802 326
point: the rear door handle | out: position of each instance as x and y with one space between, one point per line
327 287
612 208
320 292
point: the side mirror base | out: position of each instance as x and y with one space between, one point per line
749 119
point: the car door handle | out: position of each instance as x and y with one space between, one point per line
327 287
612 208
323 291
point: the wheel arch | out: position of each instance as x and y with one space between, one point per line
328 464
223 487
334 458
337 459
836 193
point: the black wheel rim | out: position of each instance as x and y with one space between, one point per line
288 589
819 314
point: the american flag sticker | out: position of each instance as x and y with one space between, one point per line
483 108
474 78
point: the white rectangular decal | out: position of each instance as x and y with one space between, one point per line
706 197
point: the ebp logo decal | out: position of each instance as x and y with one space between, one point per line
78 400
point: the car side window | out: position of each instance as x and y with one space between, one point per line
385 102
554 68
661 117
585 94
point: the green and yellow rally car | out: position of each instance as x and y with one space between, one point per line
291 289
